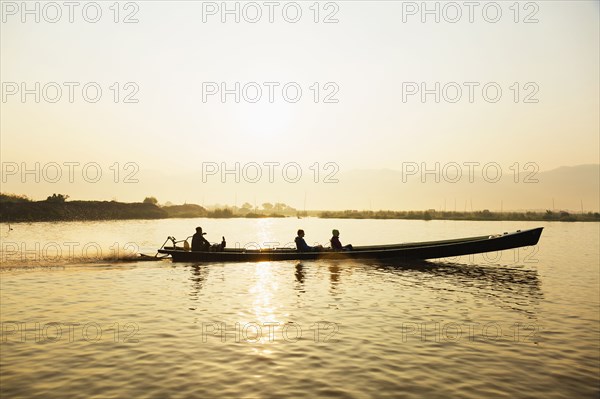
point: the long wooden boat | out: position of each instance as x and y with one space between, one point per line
409 251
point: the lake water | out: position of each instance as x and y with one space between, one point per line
81 317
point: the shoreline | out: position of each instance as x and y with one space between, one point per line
16 209
367 215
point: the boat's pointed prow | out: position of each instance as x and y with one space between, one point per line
534 235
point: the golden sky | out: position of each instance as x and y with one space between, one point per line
339 83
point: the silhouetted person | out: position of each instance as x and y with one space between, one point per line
302 246
336 244
199 243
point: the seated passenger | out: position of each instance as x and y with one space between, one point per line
302 246
336 245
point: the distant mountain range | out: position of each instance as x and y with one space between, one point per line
568 188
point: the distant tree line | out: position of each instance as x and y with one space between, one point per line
486 214
17 208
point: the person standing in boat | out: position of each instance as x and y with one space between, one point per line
199 243
336 245
302 246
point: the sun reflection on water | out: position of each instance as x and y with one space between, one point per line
263 310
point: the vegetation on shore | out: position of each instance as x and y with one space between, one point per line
21 209
431 214
18 208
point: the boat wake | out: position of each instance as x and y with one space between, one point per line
16 262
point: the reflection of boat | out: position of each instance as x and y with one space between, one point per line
514 287
422 250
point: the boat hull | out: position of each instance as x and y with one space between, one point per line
411 251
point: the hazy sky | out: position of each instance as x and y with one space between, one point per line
373 62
